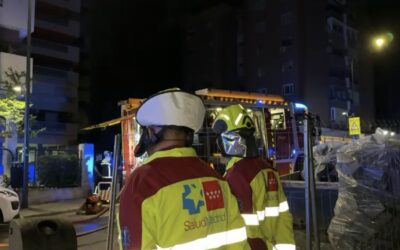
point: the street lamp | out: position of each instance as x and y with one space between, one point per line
381 41
17 89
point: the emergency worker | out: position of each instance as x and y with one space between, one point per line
254 182
175 200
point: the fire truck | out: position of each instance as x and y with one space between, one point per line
279 131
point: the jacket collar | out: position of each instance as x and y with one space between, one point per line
232 162
174 152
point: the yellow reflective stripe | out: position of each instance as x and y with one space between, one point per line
283 207
271 211
213 240
238 119
250 219
284 247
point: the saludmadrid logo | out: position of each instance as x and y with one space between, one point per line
206 221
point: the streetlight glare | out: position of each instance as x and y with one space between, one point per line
17 88
382 41
379 42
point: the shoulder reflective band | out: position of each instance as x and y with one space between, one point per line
213 240
283 207
250 219
284 247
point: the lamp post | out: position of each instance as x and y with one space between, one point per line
24 202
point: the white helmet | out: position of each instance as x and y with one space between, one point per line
172 107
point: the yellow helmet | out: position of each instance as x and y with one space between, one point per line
231 118
236 129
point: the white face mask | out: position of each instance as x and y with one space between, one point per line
234 144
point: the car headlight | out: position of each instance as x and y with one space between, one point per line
8 193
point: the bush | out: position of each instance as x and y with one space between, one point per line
59 170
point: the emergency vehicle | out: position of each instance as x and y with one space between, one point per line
278 128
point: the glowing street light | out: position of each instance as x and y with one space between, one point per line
379 42
17 88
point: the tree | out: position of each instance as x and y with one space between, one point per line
12 106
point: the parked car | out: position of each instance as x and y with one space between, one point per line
9 204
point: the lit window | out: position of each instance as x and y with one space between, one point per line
288 89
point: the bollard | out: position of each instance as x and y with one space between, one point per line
42 234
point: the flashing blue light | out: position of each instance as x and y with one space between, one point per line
294 152
259 102
31 173
88 150
300 106
271 152
1 169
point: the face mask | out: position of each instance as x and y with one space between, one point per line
233 144
147 139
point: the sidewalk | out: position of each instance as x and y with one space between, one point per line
53 208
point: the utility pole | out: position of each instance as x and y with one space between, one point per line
24 202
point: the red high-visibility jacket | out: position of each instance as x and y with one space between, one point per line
262 197
176 201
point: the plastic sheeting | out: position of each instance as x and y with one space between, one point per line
325 161
367 212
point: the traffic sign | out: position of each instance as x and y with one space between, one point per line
354 126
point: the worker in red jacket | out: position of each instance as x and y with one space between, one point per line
254 182
175 200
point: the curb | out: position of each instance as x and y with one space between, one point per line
50 213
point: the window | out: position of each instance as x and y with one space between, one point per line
287 18
337 28
277 118
240 70
287 42
260 72
333 114
260 27
258 4
287 66
259 50
288 89
1 3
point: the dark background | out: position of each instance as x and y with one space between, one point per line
135 51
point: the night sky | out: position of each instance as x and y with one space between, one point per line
135 52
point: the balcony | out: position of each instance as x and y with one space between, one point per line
72 5
66 27
55 133
56 76
55 50
54 103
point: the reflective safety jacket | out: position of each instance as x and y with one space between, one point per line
247 183
274 217
176 201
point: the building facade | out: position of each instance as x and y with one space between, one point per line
307 51
55 49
